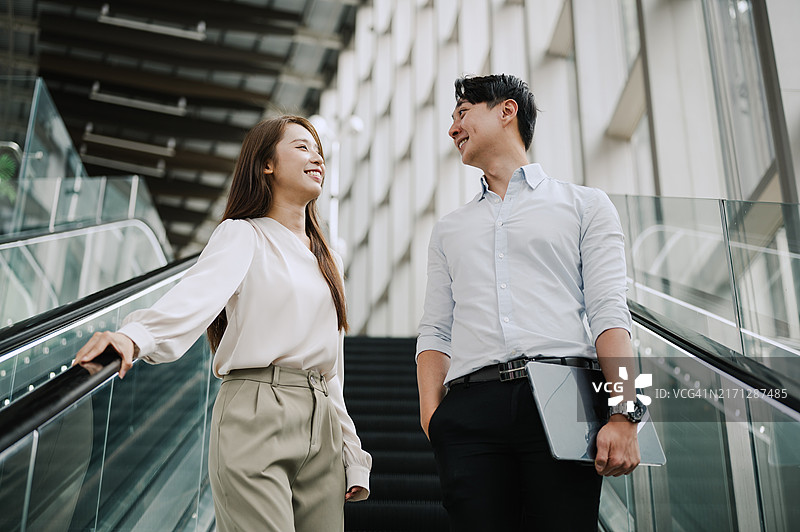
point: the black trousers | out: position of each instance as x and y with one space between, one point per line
495 466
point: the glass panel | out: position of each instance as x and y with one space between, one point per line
156 440
26 368
45 272
680 264
116 201
77 200
777 456
130 455
16 100
14 476
145 210
69 464
693 491
765 253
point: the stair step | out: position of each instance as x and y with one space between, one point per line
380 392
386 423
392 441
382 398
403 461
403 486
407 516
381 406
390 379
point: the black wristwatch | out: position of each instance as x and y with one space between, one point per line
636 416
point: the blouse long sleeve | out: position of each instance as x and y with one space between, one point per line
165 331
357 462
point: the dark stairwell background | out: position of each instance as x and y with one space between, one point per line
381 395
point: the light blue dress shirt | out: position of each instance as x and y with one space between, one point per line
517 276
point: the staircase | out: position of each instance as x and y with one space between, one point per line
381 396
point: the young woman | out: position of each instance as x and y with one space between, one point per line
284 454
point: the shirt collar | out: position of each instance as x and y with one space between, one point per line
533 174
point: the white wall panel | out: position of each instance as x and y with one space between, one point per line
473 33
470 182
383 75
346 211
400 295
401 208
552 138
347 154
364 112
347 82
448 186
382 15
684 113
419 265
380 161
361 204
378 324
365 42
445 98
403 31
508 50
424 55
601 63
424 160
356 285
446 16
403 113
379 264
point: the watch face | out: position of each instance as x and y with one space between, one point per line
638 411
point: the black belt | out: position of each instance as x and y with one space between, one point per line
515 369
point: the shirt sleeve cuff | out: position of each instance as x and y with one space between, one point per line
142 338
432 343
358 476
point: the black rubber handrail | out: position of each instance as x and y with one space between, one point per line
745 369
34 409
23 332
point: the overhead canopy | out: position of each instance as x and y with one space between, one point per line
167 89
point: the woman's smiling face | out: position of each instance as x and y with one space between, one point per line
297 169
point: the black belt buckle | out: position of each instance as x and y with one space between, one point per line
513 369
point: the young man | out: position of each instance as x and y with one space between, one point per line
511 275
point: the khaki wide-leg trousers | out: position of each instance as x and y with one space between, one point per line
275 458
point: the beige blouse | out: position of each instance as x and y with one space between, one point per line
279 308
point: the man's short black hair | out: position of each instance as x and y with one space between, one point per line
498 88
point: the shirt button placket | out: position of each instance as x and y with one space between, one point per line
502 272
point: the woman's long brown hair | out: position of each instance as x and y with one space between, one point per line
251 197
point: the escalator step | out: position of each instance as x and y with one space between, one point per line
408 516
402 486
392 441
380 392
403 462
387 423
387 408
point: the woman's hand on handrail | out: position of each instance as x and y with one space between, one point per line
100 341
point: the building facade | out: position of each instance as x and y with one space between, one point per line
640 97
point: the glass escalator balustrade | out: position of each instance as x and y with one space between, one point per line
41 273
728 270
722 270
129 456
732 455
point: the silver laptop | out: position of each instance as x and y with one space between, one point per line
573 412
